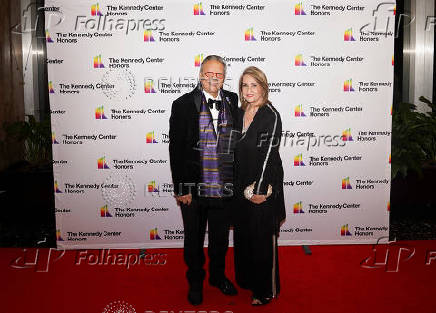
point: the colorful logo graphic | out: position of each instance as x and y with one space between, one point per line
389 206
148 86
99 113
150 137
151 186
56 187
393 60
95 10
298 111
47 37
344 230
97 62
50 87
58 235
346 135
298 160
299 9
148 36
198 60
298 208
249 34
154 235
348 85
348 35
395 10
53 138
299 60
104 212
346 183
389 158
198 9
101 164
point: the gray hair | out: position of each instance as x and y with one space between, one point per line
215 58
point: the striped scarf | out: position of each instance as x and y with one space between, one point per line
215 155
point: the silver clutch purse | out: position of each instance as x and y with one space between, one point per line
249 191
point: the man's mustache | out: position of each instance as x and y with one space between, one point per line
210 79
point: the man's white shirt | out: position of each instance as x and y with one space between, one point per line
213 110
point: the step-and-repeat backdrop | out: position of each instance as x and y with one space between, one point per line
115 67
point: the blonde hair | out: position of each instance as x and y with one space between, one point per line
260 78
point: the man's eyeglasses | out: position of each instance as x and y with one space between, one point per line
212 74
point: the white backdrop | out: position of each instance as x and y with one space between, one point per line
114 68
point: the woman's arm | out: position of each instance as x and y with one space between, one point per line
268 146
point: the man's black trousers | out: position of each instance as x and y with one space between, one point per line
215 213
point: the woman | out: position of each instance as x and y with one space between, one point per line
258 189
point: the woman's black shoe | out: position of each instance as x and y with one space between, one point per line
260 301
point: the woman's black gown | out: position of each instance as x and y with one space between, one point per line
256 228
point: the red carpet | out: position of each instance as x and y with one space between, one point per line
332 279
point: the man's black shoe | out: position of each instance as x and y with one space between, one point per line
195 297
226 287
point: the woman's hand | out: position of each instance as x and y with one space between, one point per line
258 199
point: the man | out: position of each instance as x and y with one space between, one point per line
201 126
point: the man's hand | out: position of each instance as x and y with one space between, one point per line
258 199
186 199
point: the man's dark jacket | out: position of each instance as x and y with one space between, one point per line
184 138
